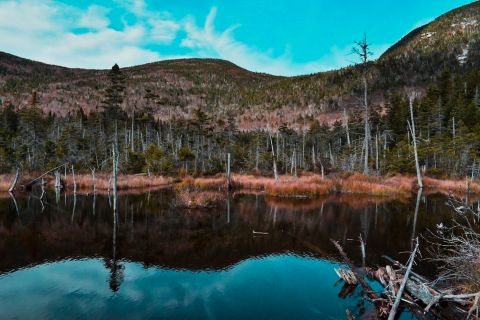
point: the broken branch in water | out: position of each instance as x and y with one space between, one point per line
347 276
398 298
404 285
260 233
366 287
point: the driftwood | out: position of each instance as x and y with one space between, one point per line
372 295
400 265
403 286
347 276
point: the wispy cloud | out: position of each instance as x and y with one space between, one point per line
53 32
206 41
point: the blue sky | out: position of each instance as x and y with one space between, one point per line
281 37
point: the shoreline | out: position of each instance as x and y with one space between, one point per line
304 186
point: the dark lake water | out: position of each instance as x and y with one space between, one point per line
69 258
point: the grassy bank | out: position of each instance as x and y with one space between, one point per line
307 185
312 185
103 182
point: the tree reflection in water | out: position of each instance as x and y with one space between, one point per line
148 230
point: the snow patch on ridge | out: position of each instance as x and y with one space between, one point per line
463 57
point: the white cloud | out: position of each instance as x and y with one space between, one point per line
30 16
48 31
163 30
95 18
45 31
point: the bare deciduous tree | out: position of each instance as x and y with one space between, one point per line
362 50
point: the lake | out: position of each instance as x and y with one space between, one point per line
68 257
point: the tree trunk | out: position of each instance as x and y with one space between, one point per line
367 135
275 173
94 181
229 181
15 180
414 139
346 125
74 182
398 298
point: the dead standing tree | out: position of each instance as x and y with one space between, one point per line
15 180
275 172
411 127
362 50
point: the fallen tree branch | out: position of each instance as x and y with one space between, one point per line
366 287
43 175
398 299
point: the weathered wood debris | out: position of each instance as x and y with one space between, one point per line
405 289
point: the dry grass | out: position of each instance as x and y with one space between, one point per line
197 199
6 181
450 186
313 185
205 183
381 186
124 182
304 186
307 185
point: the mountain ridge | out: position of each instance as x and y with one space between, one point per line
222 88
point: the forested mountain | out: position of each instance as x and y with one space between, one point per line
188 114
219 87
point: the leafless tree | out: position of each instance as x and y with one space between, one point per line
411 127
362 50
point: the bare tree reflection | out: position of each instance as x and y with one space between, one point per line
415 217
12 195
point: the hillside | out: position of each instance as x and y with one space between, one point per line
221 88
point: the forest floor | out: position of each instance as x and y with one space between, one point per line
306 185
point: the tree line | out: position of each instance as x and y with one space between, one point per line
446 117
